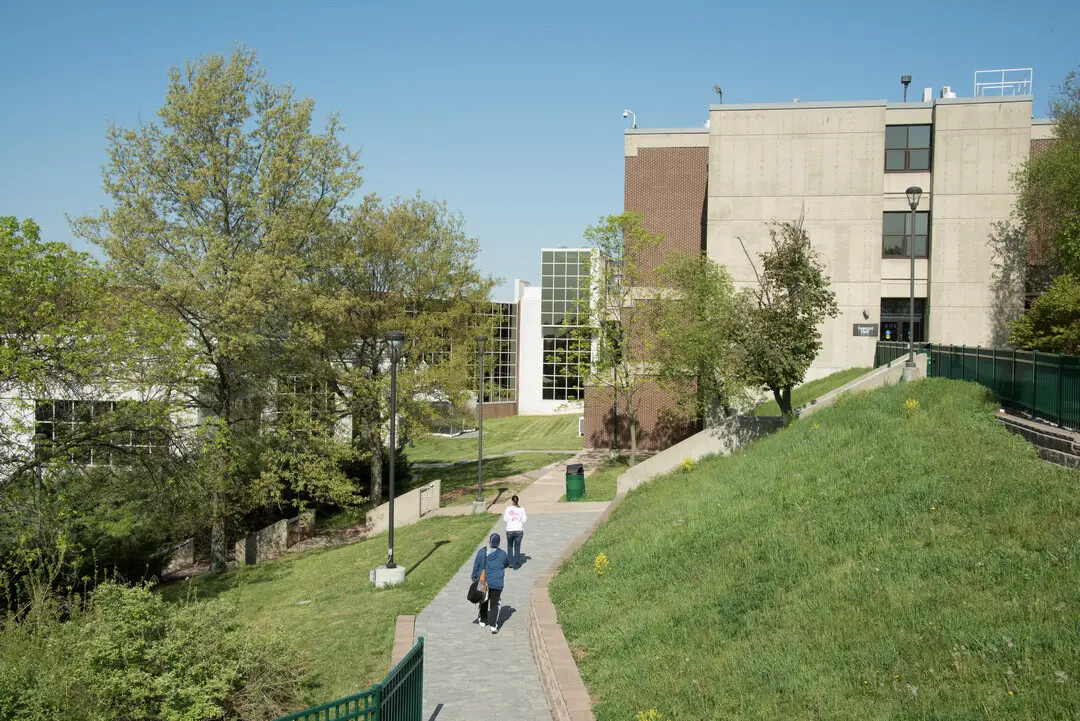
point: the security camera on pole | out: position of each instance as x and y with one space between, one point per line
391 573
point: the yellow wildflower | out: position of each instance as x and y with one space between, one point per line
601 564
650 715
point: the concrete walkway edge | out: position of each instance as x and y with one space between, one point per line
567 697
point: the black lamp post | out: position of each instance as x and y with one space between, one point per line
481 341
395 339
913 195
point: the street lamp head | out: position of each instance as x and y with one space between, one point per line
913 195
396 339
481 340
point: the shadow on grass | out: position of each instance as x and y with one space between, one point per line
434 548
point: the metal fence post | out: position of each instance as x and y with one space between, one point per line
376 688
1034 384
1061 363
978 365
993 370
1012 382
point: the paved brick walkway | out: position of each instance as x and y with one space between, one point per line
471 675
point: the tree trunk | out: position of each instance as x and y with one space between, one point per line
783 399
376 468
614 422
633 440
219 552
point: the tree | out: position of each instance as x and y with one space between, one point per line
781 334
697 332
1048 212
70 337
1052 325
409 266
216 212
1048 184
612 316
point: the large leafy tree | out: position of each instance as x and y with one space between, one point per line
782 335
1049 186
1048 210
697 329
71 336
409 266
217 209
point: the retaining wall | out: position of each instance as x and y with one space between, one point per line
408 508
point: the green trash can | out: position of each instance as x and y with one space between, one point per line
575 482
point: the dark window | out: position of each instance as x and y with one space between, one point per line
907 147
93 433
896 234
896 321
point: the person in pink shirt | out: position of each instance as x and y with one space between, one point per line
514 517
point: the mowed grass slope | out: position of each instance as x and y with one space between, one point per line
801 395
865 563
517 433
323 601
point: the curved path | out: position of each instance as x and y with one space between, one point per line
472 675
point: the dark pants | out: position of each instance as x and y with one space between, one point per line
489 607
513 547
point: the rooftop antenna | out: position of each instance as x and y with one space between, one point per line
716 89
629 113
905 80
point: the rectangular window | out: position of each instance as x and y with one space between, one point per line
896 234
82 428
907 147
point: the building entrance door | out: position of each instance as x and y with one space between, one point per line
896 323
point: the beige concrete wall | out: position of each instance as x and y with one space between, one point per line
408 508
679 138
771 163
976 147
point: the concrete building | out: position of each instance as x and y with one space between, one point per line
845 166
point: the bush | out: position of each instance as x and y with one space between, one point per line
128 654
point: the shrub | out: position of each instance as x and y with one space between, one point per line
128 654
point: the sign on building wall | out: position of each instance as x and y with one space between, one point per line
865 330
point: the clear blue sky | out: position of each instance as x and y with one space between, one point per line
511 112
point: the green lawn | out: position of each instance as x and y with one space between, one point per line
869 563
517 433
459 482
600 483
324 601
807 392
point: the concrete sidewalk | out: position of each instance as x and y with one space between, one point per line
472 675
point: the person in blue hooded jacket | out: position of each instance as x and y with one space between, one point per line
493 561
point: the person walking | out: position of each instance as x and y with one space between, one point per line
514 517
492 561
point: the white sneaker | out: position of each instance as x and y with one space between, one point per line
494 629
483 627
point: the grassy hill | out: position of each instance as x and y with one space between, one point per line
870 562
342 627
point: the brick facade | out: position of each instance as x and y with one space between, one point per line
499 410
668 186
658 425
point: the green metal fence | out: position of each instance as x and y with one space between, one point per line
399 697
888 351
1045 385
